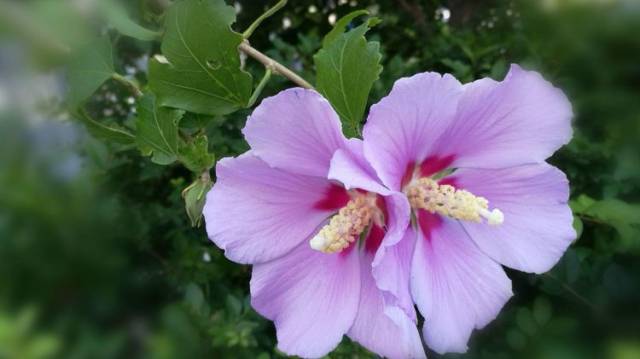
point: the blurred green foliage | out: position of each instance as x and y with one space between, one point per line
99 260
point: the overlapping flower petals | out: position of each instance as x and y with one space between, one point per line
404 126
266 205
484 124
496 136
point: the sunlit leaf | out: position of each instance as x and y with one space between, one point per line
201 69
347 66
341 25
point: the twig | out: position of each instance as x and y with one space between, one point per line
273 65
247 33
260 87
269 63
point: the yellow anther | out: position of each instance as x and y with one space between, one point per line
446 200
345 227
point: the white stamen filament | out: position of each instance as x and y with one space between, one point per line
448 201
494 217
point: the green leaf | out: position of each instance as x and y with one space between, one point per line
347 66
157 130
195 299
101 131
195 120
582 203
202 72
90 66
516 339
578 226
195 155
116 15
194 198
526 322
341 25
542 310
47 29
624 217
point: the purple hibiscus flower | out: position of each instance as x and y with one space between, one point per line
471 161
307 210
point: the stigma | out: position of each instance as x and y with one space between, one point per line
345 227
425 193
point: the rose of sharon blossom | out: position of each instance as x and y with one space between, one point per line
305 208
471 161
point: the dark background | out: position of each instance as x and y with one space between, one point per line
98 259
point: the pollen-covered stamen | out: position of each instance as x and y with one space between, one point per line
446 200
345 227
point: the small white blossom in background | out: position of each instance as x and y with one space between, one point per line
286 23
332 18
443 14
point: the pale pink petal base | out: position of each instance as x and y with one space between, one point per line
456 287
403 126
312 298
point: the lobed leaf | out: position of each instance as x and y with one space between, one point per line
105 132
195 155
88 69
341 25
347 66
202 71
624 217
157 130
116 15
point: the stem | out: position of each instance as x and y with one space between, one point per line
205 176
260 87
273 65
128 83
279 5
